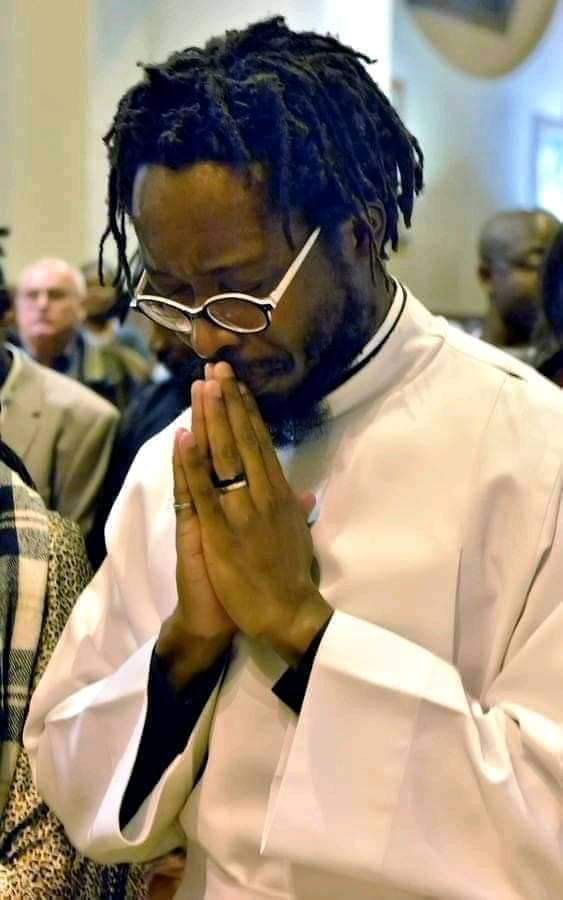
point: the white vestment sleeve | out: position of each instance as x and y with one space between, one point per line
88 712
394 772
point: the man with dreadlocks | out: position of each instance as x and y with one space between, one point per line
362 702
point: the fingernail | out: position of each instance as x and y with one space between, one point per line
243 388
188 439
196 388
209 367
223 370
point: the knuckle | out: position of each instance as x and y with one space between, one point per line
229 455
269 504
207 492
248 436
245 523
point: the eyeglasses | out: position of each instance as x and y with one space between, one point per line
240 313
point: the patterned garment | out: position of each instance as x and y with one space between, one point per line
24 551
43 568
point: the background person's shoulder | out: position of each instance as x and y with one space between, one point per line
62 391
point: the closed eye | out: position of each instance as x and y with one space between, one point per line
181 294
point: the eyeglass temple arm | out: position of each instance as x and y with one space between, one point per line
279 291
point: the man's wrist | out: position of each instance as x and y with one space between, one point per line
310 618
183 656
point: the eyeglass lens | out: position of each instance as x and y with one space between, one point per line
231 313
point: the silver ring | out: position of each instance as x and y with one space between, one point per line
187 504
234 486
223 484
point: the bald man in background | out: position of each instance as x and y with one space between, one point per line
61 430
512 249
50 310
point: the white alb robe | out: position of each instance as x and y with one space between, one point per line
426 761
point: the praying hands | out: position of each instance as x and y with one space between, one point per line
244 549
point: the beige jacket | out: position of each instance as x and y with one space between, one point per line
62 431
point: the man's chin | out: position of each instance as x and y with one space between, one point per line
43 332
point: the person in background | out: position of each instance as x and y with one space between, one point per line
512 248
101 321
49 307
358 697
62 430
43 568
552 302
154 406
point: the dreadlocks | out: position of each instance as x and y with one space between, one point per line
299 103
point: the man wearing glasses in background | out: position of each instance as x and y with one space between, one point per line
362 702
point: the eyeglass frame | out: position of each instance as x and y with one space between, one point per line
267 304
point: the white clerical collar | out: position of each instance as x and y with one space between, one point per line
408 337
388 325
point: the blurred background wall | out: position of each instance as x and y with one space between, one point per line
43 139
477 138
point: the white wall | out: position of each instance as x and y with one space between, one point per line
366 26
119 37
177 24
43 137
477 138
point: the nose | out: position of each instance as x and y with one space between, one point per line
42 300
207 338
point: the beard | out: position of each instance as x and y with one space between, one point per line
522 319
298 415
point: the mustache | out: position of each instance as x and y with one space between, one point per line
269 367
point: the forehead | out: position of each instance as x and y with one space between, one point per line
47 276
206 216
519 234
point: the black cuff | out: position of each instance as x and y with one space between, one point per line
170 720
292 686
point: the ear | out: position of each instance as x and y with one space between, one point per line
355 233
378 219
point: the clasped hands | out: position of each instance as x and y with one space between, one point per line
244 558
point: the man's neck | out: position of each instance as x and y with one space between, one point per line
385 289
46 350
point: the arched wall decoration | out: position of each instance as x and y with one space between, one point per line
486 38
